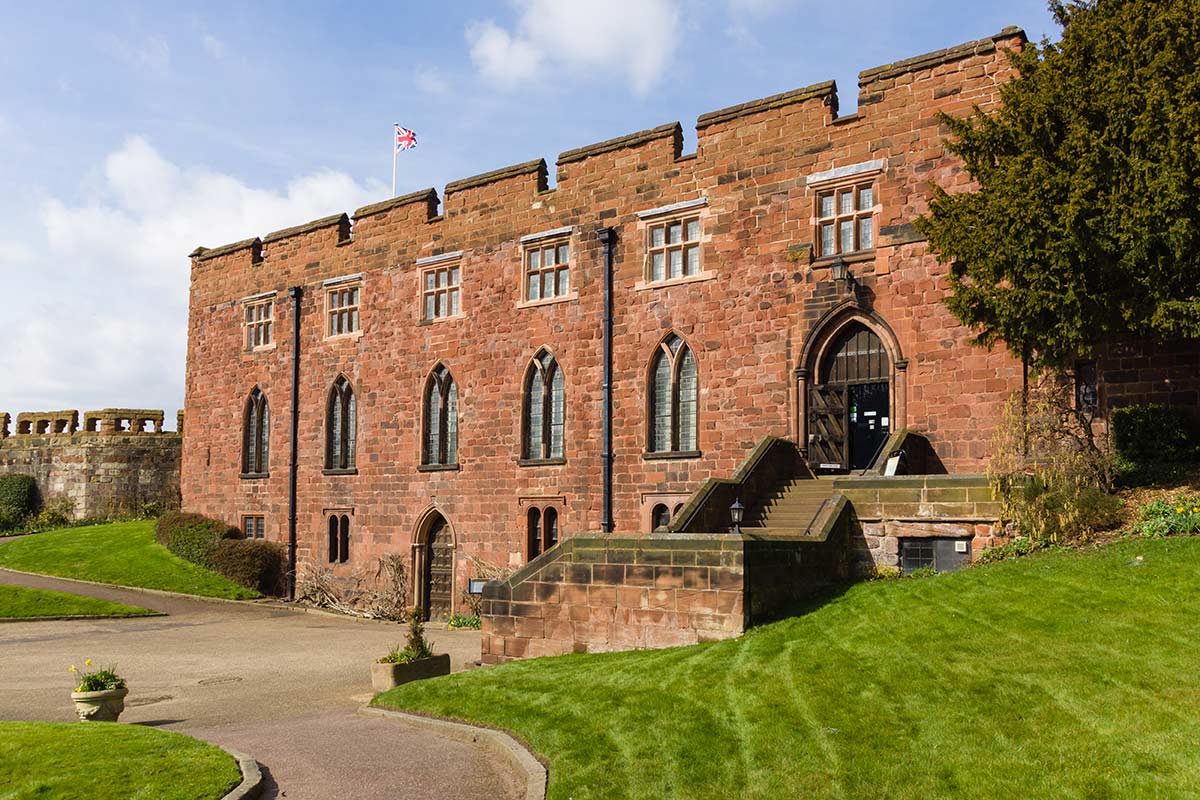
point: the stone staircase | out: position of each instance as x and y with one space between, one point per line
790 509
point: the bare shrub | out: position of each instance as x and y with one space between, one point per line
381 594
1052 468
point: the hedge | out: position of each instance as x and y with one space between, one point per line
193 537
252 563
1154 433
19 500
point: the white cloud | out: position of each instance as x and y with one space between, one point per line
635 39
432 81
213 46
151 53
103 283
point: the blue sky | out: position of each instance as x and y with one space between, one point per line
131 132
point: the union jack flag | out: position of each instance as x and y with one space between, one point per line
405 139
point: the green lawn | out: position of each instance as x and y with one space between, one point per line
1061 675
19 602
108 760
123 553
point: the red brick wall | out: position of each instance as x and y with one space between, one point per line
747 325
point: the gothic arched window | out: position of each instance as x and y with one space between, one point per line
440 444
256 422
341 426
545 409
674 394
339 538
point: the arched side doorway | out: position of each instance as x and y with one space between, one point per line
433 566
852 392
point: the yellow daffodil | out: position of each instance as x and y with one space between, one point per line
1196 509
87 663
71 668
1179 509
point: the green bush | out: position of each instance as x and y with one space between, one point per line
1014 548
1153 433
253 563
18 497
193 537
8 521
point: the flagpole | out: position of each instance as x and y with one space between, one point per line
393 161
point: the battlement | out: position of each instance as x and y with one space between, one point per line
901 87
105 422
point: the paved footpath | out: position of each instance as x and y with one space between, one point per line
277 684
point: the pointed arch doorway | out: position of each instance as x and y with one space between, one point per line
852 392
433 566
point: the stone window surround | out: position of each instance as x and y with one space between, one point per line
540 502
675 360
249 303
654 217
262 526
338 513
836 180
435 264
339 284
537 241
649 500
538 371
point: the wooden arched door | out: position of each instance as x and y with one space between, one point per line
438 579
848 404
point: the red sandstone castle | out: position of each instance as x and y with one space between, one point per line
523 365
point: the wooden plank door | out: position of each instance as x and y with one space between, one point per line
827 427
441 573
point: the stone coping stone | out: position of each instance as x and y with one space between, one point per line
823 89
425 195
528 768
910 482
671 129
252 779
307 227
535 167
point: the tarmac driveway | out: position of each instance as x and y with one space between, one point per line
279 685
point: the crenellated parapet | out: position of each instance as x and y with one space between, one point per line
885 92
113 421
105 422
47 423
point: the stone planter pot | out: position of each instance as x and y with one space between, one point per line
103 706
388 676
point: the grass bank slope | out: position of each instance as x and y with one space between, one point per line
123 553
18 602
109 760
1061 675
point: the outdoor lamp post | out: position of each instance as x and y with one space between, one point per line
735 513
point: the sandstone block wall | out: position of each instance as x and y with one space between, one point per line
114 467
100 476
598 594
887 509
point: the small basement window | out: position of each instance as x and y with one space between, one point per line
944 554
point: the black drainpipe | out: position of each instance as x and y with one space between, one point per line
607 237
293 464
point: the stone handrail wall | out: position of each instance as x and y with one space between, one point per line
772 461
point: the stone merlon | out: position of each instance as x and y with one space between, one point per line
943 56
